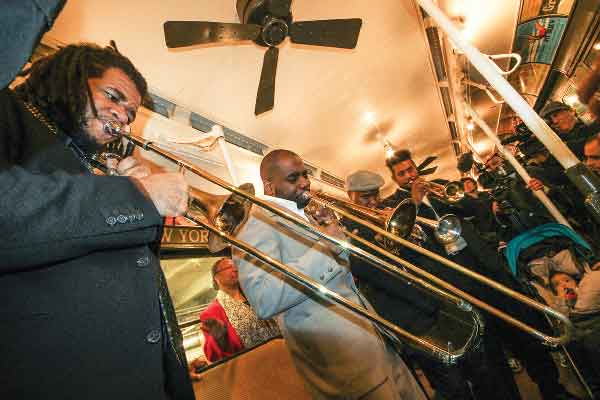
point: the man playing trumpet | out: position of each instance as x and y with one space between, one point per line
339 354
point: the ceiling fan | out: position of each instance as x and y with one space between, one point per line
267 23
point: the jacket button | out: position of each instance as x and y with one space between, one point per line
322 277
140 216
122 219
153 336
330 269
111 220
143 261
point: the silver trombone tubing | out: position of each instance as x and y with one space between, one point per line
547 339
447 355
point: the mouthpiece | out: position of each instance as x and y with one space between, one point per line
113 127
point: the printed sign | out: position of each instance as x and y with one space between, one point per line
537 40
536 8
184 237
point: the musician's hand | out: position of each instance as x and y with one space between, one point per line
130 166
496 209
535 184
418 190
168 192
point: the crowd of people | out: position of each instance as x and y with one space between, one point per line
83 291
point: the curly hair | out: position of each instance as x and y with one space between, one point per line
58 84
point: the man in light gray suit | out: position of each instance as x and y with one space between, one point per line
339 354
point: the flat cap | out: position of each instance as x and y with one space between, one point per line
553 107
363 181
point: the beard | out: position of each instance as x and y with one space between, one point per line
302 199
84 140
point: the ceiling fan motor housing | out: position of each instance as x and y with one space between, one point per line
274 28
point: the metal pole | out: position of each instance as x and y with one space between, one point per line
518 167
581 176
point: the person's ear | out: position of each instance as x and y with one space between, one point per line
268 188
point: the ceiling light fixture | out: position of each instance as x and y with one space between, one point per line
571 100
597 46
470 125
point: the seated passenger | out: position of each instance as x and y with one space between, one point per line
229 323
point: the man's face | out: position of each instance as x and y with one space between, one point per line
290 181
469 186
226 274
368 199
116 98
404 172
493 163
591 152
565 286
563 121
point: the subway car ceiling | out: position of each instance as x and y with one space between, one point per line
403 85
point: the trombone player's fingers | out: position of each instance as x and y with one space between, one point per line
168 192
130 166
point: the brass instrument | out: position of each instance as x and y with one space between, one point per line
400 220
452 192
460 298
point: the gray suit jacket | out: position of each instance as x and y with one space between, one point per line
339 354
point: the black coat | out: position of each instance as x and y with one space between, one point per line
82 313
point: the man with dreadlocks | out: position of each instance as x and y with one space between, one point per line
85 309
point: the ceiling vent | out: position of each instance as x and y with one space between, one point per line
332 180
437 54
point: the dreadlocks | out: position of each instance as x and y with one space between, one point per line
58 84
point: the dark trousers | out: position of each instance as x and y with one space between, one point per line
482 375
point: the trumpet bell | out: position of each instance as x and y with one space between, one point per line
454 192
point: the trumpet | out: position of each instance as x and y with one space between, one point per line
452 192
432 283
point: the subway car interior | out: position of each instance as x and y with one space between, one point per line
482 112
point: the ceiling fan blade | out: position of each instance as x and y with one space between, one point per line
280 8
342 33
428 171
265 97
189 33
426 162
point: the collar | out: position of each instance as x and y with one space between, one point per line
286 204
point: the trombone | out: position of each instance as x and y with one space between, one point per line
460 298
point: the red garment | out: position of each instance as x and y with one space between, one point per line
212 351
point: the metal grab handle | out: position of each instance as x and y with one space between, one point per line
514 56
485 88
